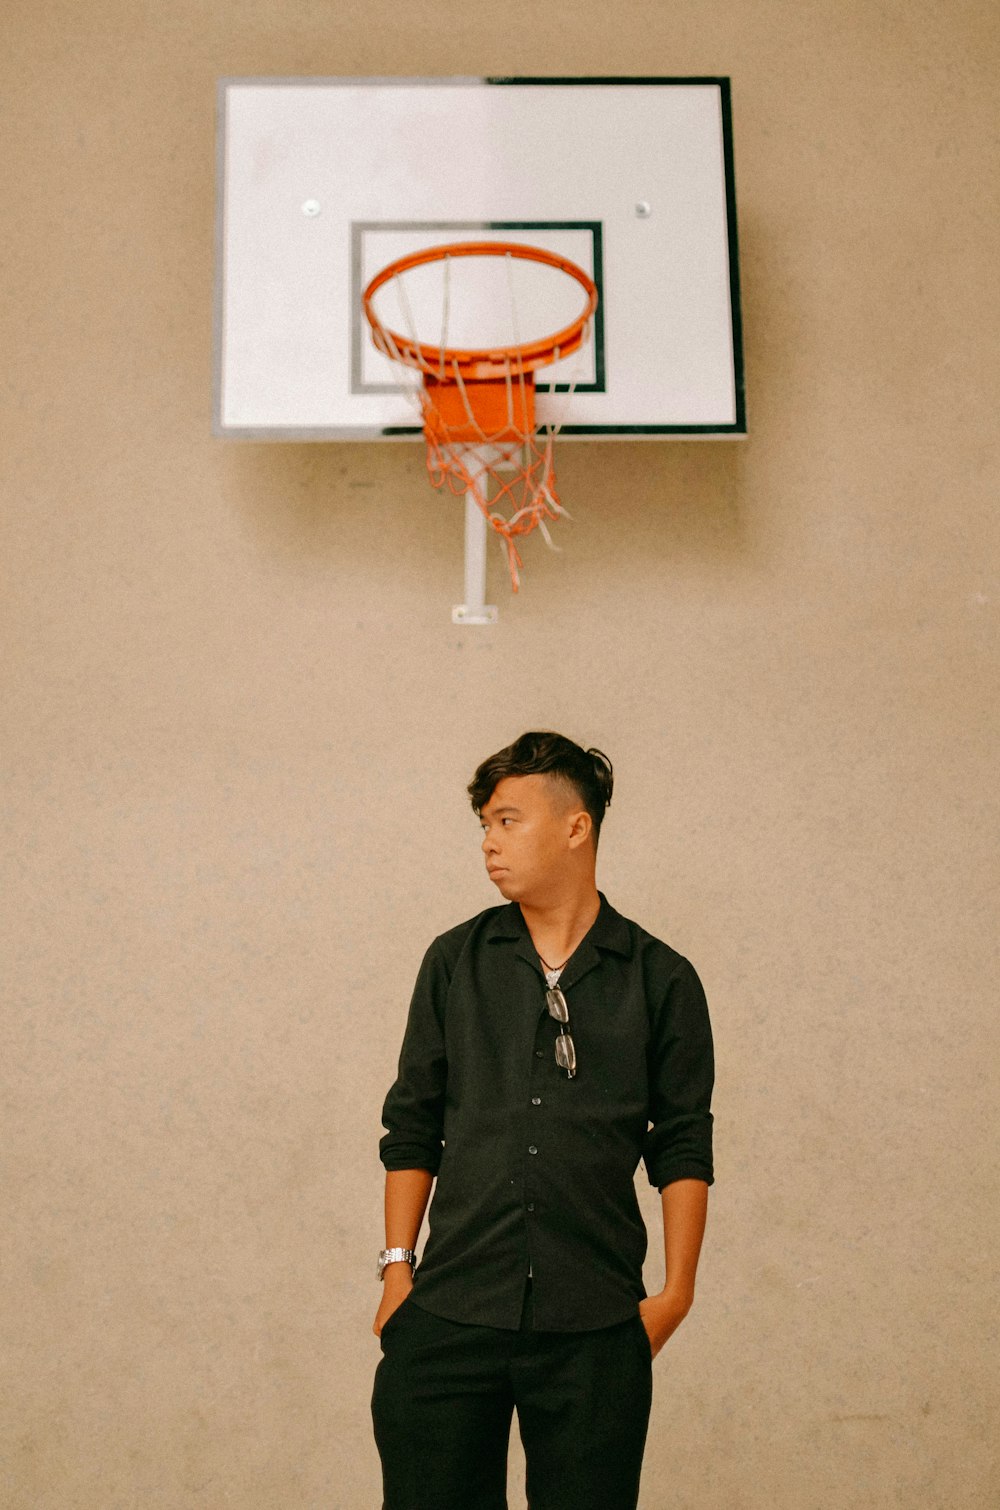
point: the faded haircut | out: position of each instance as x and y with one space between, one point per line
588 772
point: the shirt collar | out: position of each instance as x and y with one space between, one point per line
609 930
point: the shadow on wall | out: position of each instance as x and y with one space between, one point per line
652 504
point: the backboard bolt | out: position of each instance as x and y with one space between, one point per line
643 209
311 207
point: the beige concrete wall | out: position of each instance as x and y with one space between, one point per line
237 724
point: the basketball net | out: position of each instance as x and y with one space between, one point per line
478 408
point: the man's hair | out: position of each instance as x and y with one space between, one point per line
588 772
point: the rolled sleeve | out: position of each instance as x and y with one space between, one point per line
678 1144
413 1113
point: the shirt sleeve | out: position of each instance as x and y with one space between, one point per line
678 1144
413 1112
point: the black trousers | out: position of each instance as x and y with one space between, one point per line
444 1395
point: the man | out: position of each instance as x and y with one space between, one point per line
550 1045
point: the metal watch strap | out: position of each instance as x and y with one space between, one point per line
394 1256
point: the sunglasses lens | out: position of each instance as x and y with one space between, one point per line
556 1002
566 1054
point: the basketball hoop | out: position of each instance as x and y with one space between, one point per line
478 404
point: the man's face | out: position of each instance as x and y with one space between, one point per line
529 835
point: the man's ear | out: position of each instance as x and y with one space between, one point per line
581 828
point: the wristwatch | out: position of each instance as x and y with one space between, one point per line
394 1256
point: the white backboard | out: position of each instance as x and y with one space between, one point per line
324 181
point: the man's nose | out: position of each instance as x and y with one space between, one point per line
489 844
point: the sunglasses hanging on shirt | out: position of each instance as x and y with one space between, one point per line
565 1050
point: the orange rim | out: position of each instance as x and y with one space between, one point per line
488 361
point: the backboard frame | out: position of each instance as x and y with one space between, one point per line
223 426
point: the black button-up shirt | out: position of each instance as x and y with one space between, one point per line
535 1171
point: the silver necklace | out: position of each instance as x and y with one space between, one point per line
552 972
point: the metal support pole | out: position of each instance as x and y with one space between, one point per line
475 609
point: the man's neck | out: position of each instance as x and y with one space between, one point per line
558 927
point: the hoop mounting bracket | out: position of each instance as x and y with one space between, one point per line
462 614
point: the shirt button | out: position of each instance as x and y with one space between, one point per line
536 1100
531 1205
539 1053
532 1148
